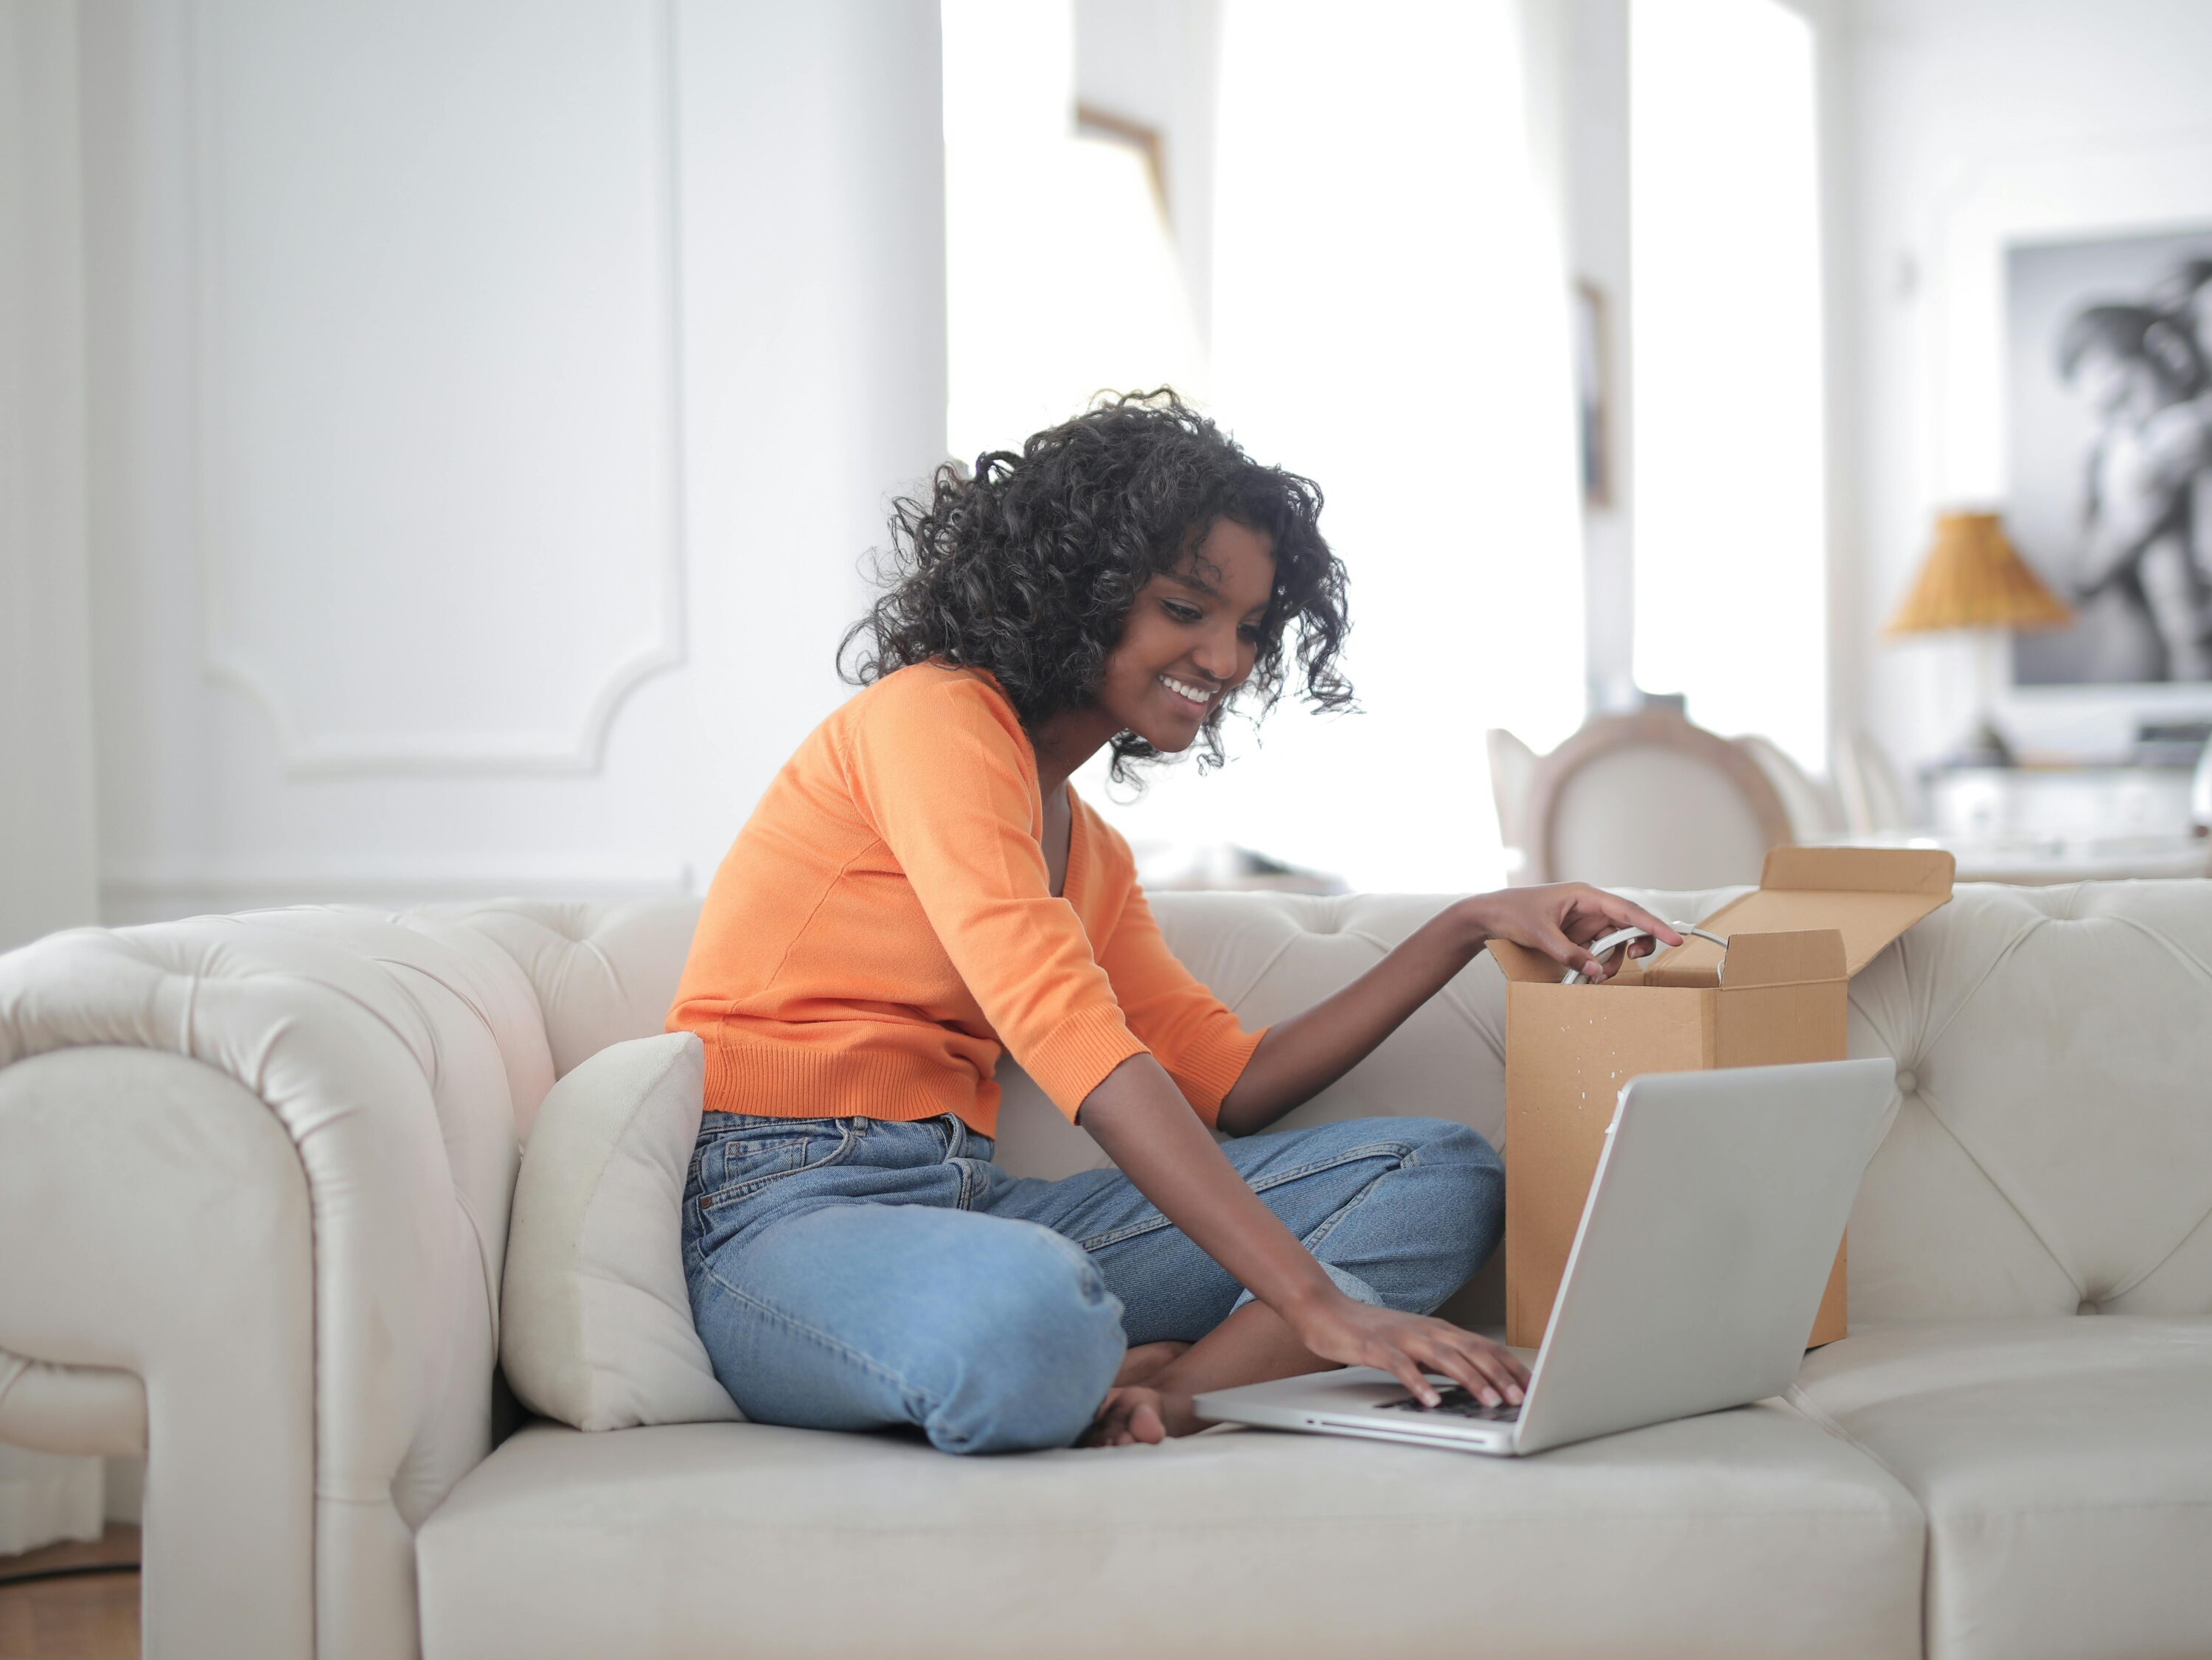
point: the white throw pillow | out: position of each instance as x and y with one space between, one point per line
595 1323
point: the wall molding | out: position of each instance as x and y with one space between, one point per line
304 753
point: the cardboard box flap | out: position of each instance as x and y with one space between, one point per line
1519 963
1927 871
1784 959
1867 894
1797 959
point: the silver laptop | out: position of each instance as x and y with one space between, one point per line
1705 1247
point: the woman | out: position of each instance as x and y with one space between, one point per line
918 886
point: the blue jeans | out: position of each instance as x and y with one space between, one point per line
854 1273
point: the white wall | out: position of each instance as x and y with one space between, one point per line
781 330
1969 117
468 390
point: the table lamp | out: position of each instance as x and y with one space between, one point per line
1974 578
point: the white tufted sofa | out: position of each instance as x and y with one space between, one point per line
254 1174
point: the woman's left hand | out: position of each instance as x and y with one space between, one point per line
1562 919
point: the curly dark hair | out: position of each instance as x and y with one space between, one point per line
1027 566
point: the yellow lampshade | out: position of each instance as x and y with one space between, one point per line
1974 578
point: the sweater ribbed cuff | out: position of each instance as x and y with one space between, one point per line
1074 1057
1207 1075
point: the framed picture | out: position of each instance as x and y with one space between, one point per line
2108 440
1592 395
1989 384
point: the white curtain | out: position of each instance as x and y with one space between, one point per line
1390 319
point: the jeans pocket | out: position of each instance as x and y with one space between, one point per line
739 1165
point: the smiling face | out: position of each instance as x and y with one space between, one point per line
1191 639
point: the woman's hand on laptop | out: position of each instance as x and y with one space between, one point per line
1562 919
1408 1345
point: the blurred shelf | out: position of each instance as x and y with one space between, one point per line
2045 862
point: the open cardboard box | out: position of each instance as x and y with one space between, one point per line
1779 994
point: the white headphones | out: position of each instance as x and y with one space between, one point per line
1623 936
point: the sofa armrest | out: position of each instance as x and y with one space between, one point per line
264 1164
154 1217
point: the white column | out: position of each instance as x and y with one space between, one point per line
48 870
814 364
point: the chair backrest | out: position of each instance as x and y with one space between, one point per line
1873 797
1512 766
1815 814
1649 800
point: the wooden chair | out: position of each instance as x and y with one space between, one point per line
1649 800
1512 765
1816 814
1873 798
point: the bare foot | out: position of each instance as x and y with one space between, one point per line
1136 1415
1142 1361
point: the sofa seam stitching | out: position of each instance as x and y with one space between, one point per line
1797 1398
2003 1191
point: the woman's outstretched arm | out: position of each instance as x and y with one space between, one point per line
1302 1318
1300 1057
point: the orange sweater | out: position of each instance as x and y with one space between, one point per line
884 924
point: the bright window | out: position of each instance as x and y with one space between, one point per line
1388 318
1731 585
1061 276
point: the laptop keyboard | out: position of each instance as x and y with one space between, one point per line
1456 1403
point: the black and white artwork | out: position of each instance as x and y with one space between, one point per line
2109 423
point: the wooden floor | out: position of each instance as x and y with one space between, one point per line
92 1618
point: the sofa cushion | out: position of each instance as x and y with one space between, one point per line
2065 1465
1747 1532
596 1323
2053 1135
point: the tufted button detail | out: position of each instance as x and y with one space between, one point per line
1908 1081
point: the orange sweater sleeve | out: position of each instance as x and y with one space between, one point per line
941 771
1184 1024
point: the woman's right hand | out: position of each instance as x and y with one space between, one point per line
1562 920
1138 1116
1339 1327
